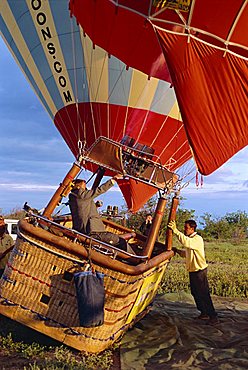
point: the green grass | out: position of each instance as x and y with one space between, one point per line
227 270
20 344
228 277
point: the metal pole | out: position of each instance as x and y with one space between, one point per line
56 198
154 229
172 217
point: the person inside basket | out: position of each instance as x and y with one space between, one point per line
6 244
85 217
196 265
146 225
99 204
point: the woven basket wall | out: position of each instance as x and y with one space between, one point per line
37 289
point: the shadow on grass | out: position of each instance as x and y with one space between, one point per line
22 333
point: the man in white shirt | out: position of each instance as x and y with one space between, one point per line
196 265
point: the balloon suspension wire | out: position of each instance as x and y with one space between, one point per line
186 175
91 177
119 79
68 129
90 83
67 134
74 49
84 84
172 162
146 115
97 116
185 167
176 146
101 81
69 126
162 126
123 68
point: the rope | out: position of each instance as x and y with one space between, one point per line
89 257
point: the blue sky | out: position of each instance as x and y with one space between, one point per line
34 158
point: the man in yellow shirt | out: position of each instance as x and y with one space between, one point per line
196 265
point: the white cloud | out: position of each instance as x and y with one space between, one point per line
33 144
217 188
26 187
16 173
37 187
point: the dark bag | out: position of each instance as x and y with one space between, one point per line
90 297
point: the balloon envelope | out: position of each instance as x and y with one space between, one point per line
90 93
203 44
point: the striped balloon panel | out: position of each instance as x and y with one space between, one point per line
86 91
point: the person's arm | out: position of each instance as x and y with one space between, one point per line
192 243
104 187
3 254
181 252
93 193
9 245
107 185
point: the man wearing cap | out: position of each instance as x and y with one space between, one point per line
85 217
6 244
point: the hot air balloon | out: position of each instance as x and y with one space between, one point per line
89 93
114 103
115 119
205 47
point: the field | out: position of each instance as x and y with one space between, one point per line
22 348
227 271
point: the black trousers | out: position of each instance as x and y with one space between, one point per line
200 291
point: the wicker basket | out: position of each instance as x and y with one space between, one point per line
37 289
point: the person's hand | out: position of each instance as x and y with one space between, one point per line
173 226
118 176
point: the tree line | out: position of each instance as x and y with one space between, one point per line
233 225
